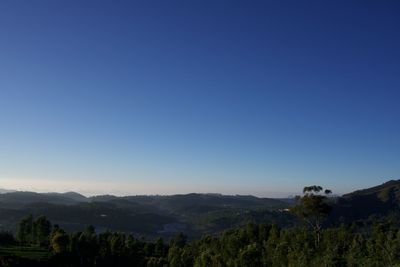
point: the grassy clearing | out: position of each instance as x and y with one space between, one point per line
34 253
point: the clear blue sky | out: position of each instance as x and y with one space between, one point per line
248 97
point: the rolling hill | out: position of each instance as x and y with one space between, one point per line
194 214
378 201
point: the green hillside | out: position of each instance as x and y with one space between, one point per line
150 216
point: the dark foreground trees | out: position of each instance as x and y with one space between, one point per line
252 245
34 231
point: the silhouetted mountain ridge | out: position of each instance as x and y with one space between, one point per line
70 195
18 198
380 200
389 191
3 191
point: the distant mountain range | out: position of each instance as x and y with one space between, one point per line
3 191
20 198
194 214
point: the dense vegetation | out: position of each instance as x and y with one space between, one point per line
253 245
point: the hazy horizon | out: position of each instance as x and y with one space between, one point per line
110 188
168 97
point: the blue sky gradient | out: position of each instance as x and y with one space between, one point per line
142 97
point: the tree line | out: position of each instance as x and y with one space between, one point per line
250 246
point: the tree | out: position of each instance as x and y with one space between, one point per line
25 230
42 230
178 241
313 207
117 244
88 246
250 255
59 241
